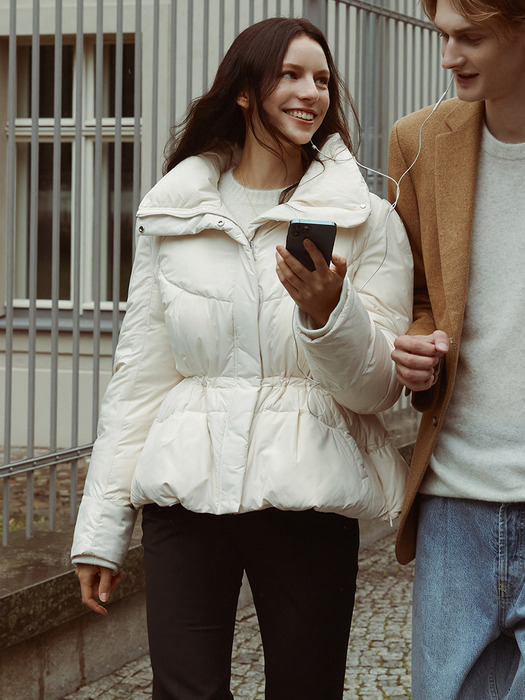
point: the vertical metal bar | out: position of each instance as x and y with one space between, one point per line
358 62
316 11
173 63
430 68
117 198
155 91
76 257
421 69
6 506
10 260
395 95
97 217
55 263
405 69
367 119
189 54
236 18
205 44
385 110
437 73
375 94
336 43
351 69
33 258
414 101
221 29
346 63
137 101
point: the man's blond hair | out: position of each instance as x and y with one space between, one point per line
503 14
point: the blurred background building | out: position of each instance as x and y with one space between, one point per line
88 92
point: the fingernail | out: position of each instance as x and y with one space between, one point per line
104 597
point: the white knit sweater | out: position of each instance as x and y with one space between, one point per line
480 453
244 203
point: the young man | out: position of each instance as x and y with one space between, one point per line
463 204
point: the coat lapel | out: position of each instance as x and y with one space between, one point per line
455 185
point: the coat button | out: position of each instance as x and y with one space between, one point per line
141 229
363 206
220 222
435 420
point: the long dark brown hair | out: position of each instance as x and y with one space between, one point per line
253 66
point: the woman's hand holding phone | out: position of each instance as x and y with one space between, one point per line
316 292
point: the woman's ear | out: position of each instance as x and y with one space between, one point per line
242 100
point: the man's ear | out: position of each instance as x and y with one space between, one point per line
242 100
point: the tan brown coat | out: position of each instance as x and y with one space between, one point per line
436 204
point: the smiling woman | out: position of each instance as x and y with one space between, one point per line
241 415
252 69
295 109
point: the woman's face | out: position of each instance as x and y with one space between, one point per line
298 104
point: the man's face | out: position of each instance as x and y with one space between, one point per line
487 65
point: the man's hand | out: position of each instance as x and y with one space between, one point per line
96 582
418 359
315 292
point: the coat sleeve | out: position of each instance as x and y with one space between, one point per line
143 375
408 209
350 357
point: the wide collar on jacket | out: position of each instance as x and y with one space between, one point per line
186 200
456 165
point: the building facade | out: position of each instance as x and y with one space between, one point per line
88 92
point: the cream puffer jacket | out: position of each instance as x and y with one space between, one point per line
223 398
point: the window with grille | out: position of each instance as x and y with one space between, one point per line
95 132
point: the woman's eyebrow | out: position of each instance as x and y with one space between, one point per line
297 66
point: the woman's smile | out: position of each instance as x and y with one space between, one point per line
301 114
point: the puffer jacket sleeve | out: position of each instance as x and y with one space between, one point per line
131 402
350 356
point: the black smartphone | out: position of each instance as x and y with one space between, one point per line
322 233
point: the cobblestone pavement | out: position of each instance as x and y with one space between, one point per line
378 664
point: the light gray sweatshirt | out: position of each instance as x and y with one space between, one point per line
480 453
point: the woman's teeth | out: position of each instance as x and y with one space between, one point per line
301 115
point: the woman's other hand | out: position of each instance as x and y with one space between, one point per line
315 292
96 582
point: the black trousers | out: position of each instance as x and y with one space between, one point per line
302 568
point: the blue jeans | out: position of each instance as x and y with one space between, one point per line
469 601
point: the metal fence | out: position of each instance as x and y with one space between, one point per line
87 96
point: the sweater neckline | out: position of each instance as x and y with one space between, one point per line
499 149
